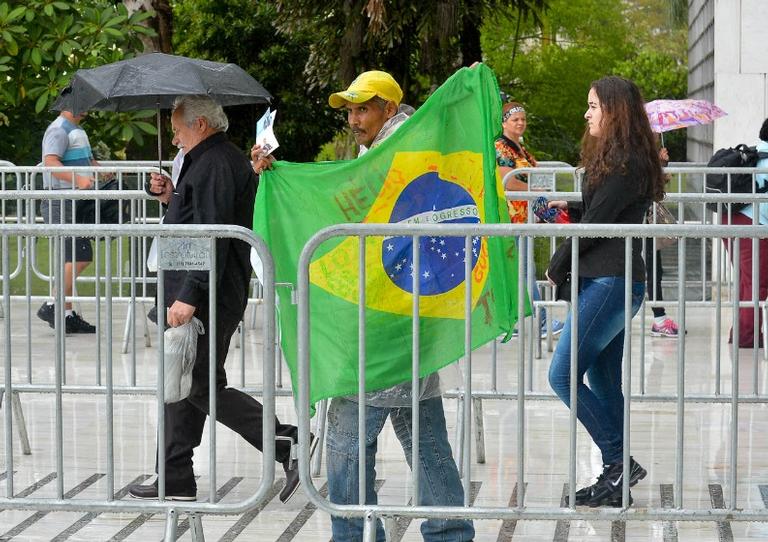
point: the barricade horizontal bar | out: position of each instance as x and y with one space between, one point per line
698 231
648 398
124 390
543 514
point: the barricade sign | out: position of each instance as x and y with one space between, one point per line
184 253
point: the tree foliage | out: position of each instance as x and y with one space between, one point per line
549 64
43 43
217 30
419 43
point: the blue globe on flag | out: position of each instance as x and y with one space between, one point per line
428 199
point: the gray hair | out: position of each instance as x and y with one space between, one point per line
381 102
194 107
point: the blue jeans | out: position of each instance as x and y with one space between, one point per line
439 482
601 344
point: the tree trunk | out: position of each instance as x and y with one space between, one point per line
471 51
161 23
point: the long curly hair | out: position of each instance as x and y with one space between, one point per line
626 141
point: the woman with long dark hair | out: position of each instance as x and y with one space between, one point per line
622 176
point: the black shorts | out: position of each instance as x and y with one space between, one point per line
83 249
50 210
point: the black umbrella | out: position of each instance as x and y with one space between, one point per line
153 81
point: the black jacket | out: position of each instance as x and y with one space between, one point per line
615 200
216 186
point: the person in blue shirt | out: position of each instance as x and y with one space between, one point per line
748 216
65 143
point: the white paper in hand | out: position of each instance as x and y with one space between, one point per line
265 136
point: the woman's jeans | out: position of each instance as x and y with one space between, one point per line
439 482
601 343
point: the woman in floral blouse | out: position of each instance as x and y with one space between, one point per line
512 154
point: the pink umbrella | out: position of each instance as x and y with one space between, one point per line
666 115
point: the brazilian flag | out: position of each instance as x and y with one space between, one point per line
438 167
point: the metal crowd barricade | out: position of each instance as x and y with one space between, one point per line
176 237
131 177
679 511
135 282
688 200
135 275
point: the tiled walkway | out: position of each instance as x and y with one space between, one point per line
706 467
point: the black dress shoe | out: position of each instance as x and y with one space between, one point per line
291 468
149 492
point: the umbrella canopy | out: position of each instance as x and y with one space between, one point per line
666 115
154 80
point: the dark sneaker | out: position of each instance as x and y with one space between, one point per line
636 472
75 324
152 314
138 491
47 313
291 468
607 490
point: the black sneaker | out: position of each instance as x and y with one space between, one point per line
75 324
607 490
291 468
138 491
152 314
47 313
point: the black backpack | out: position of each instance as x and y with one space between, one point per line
109 209
739 156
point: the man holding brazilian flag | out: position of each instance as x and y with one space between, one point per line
436 167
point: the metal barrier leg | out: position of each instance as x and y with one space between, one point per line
460 434
127 330
196 527
147 333
390 528
255 293
320 427
171 522
477 407
2 312
369 527
21 424
765 331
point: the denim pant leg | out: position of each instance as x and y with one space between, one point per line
601 321
604 378
439 482
342 464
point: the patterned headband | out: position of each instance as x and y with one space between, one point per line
516 109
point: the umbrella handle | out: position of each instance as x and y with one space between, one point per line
147 186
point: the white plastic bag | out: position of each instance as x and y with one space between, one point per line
152 256
180 354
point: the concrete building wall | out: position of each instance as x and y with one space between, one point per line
728 64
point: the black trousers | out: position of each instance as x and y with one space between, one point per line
184 421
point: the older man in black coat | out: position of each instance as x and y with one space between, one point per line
216 186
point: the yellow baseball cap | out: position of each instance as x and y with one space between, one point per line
366 86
